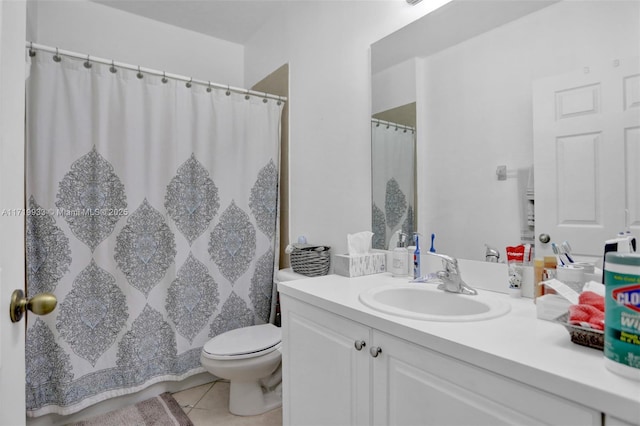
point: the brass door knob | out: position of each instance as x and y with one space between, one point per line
40 304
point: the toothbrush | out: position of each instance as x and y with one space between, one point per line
556 251
432 249
567 251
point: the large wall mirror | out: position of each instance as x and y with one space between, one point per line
393 174
513 110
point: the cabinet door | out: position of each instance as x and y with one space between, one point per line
413 385
326 380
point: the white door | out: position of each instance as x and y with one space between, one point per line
586 154
12 370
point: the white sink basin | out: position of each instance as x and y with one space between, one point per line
426 302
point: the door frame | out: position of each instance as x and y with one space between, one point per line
12 259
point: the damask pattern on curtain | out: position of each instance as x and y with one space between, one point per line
393 177
153 212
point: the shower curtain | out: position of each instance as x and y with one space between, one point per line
393 177
152 216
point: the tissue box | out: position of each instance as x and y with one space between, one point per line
360 264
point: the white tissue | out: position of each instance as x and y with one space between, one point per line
359 243
595 287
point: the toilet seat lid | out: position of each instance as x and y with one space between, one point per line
245 340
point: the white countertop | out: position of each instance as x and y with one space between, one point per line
516 345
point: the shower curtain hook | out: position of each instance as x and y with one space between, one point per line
32 52
247 96
139 75
189 82
279 100
87 63
209 88
164 77
113 68
228 93
265 99
56 57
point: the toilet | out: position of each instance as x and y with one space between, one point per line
249 357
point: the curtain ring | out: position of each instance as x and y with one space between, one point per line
87 63
164 77
139 74
228 92
209 88
265 99
113 68
32 52
247 96
279 100
189 83
56 57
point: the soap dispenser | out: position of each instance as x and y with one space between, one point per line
399 265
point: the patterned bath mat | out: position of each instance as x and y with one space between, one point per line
162 410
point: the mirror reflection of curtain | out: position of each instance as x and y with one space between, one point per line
393 181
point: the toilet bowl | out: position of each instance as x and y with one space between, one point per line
250 359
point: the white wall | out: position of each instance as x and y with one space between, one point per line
95 29
394 87
327 46
475 113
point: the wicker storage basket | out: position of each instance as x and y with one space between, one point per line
581 335
310 260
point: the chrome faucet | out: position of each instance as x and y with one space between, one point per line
451 279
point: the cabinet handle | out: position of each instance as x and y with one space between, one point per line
375 351
359 344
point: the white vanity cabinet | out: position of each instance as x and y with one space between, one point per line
328 381
413 385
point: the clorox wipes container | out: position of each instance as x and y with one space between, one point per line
622 314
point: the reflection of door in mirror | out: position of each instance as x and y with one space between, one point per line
393 174
587 151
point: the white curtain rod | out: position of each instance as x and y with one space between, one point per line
390 124
188 80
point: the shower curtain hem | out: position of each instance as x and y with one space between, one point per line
72 409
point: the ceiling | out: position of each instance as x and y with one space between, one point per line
232 20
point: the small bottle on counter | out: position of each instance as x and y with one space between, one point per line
538 272
399 266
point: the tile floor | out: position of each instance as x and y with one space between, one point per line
208 404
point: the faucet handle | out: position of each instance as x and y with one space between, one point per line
449 263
